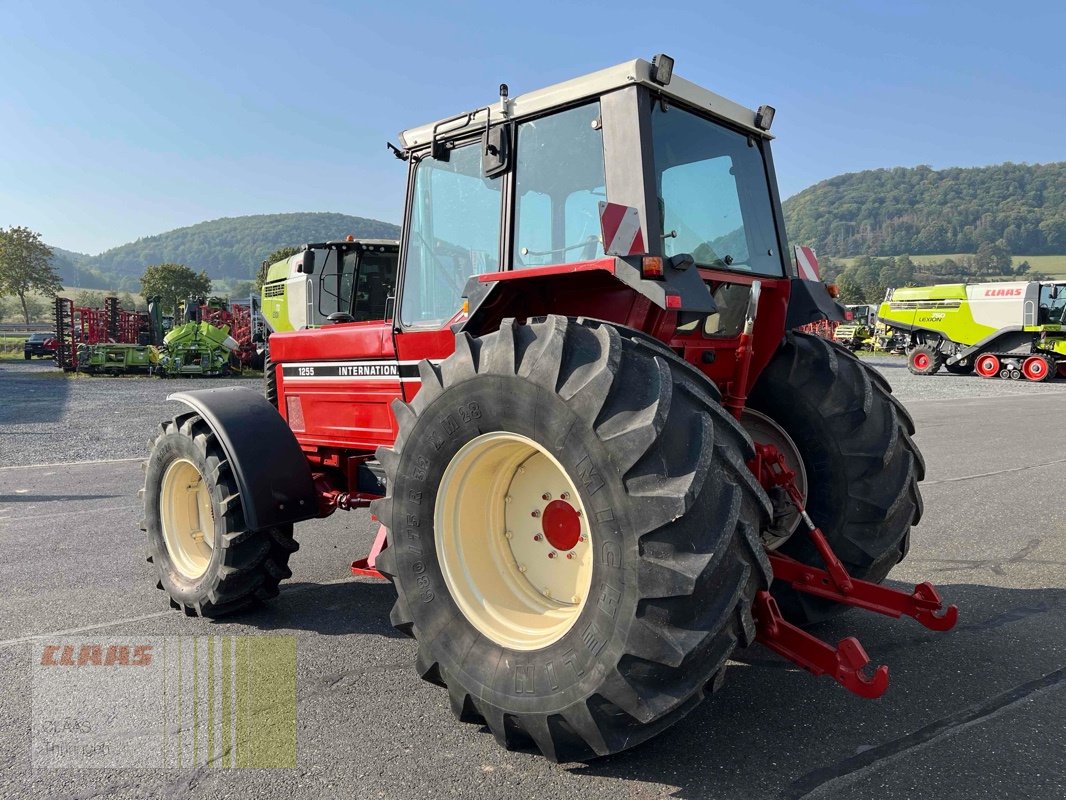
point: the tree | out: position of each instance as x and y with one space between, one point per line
89 299
25 267
273 258
173 283
241 290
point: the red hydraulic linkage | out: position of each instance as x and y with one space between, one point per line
848 662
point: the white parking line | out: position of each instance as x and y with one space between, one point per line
71 463
168 613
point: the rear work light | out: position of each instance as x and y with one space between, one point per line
651 267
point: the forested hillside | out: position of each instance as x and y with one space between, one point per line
228 248
887 212
233 247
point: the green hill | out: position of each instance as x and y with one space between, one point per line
228 248
921 211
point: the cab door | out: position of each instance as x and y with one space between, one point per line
453 233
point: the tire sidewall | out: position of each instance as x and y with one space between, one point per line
170 448
569 669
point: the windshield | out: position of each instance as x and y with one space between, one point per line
1053 304
713 192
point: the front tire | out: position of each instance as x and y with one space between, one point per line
862 466
668 536
924 360
206 559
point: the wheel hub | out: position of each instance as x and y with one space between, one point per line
561 524
763 430
513 540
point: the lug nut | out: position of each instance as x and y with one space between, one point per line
547 592
537 537
521 568
546 496
564 496
575 599
508 535
536 513
507 499
551 554
569 555
581 538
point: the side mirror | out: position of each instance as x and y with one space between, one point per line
496 151
305 262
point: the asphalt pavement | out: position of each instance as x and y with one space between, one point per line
979 712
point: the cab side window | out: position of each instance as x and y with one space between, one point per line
454 234
559 182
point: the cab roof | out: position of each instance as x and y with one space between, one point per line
594 84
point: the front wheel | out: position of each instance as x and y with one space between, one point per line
861 466
573 535
206 559
924 360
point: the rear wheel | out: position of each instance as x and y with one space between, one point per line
206 559
573 535
924 360
862 468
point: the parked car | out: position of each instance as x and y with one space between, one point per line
40 344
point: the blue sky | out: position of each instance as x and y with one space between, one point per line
125 119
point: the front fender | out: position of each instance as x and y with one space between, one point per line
272 473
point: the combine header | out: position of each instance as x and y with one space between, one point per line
601 453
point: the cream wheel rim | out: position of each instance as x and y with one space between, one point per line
513 541
187 519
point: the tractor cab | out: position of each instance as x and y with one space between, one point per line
331 282
630 185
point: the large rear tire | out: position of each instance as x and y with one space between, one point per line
862 466
663 515
206 559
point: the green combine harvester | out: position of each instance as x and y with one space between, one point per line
1009 330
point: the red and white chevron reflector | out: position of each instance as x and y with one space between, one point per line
807 264
620 228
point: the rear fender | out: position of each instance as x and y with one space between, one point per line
272 473
809 301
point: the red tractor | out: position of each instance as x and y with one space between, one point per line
601 456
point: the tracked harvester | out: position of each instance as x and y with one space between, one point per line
602 457
1008 330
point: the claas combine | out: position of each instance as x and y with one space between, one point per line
601 456
1013 329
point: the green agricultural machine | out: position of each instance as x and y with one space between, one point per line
196 348
857 329
1007 330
